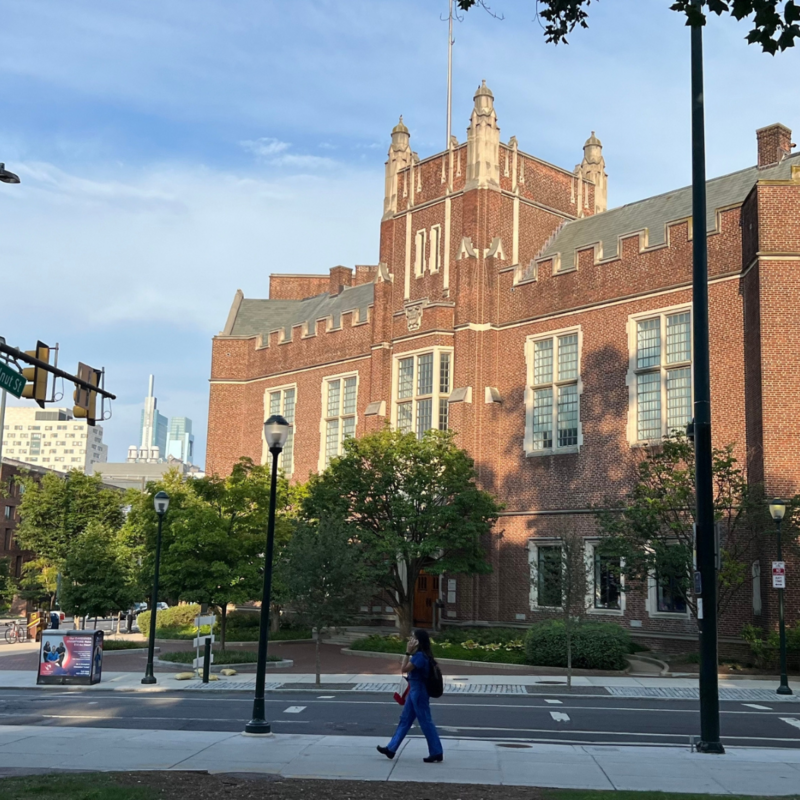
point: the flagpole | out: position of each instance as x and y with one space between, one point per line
449 73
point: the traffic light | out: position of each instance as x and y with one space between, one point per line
85 399
36 377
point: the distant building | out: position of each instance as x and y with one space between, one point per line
154 428
180 443
52 439
137 474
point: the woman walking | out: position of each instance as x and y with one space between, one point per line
416 666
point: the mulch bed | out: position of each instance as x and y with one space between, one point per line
244 786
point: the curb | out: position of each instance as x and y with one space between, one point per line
456 662
127 650
241 668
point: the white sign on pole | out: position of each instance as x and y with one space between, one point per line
209 620
198 662
778 575
200 641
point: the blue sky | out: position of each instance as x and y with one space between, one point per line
172 152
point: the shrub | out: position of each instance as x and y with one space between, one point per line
470 650
243 626
173 617
221 657
765 646
595 645
120 644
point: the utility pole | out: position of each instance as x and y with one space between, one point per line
706 561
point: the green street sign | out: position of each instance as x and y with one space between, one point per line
11 380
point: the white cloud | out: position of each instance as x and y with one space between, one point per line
273 152
266 147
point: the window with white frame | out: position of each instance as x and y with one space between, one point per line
662 374
419 254
606 581
423 382
668 597
282 401
547 574
554 394
435 257
339 402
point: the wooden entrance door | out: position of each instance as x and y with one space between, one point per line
426 594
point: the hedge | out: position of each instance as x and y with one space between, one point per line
470 650
595 645
173 617
221 657
243 626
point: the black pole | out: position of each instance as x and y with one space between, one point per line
707 619
258 724
206 660
151 645
784 687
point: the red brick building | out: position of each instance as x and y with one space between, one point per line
553 335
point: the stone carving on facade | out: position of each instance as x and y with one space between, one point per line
483 143
399 158
414 314
592 168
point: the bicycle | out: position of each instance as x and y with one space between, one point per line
15 633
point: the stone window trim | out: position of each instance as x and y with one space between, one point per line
435 254
438 397
591 545
530 388
634 372
534 546
266 456
420 242
324 419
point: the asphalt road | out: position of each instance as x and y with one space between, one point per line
569 719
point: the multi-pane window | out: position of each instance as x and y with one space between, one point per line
419 253
435 258
282 401
340 414
424 383
556 409
663 374
669 599
549 576
607 582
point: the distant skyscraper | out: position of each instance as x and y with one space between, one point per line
154 426
180 443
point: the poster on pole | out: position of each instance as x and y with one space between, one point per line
70 658
778 574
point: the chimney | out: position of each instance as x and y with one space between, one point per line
340 277
774 144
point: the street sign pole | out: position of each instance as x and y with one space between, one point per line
2 423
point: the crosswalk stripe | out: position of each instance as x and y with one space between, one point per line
559 716
555 702
294 709
791 721
757 706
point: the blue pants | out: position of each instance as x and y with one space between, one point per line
417 707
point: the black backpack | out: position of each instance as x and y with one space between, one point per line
434 682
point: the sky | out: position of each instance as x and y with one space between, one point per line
173 152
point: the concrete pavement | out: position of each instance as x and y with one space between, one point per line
740 771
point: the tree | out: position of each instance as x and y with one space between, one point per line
652 532
413 505
325 575
568 575
54 511
213 536
775 22
97 574
8 586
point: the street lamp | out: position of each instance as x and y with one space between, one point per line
777 508
161 503
6 176
276 432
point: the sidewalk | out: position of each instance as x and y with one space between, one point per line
623 686
740 771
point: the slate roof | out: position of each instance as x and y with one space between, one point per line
263 316
654 213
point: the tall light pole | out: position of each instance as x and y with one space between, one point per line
777 508
704 487
276 432
161 503
5 177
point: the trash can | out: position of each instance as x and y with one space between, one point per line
70 658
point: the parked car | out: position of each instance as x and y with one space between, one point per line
162 606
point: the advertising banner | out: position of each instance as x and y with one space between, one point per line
70 658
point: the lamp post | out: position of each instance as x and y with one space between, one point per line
777 508
161 503
276 432
6 176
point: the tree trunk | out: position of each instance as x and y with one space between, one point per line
318 637
95 621
569 656
119 622
405 616
274 619
223 624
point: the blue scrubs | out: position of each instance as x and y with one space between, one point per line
418 708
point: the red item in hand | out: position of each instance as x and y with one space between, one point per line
401 698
